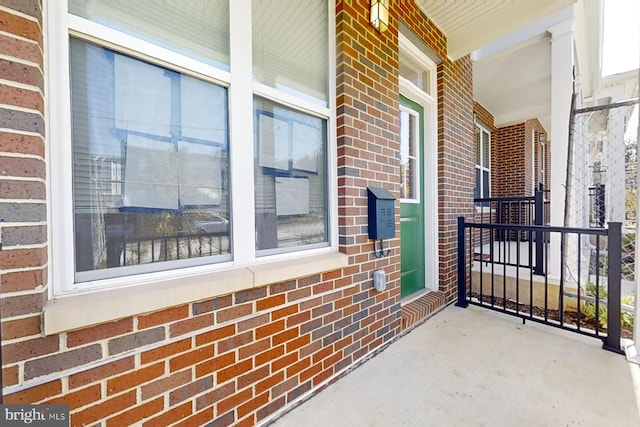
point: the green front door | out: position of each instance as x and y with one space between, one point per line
411 197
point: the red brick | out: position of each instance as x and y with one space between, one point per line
20 26
175 414
324 375
311 372
162 317
299 342
233 313
249 421
234 371
191 325
215 364
12 329
79 398
137 413
285 336
102 410
23 144
215 335
99 332
23 98
165 384
267 303
191 389
253 322
30 349
191 358
285 361
253 404
165 351
21 49
19 305
10 375
23 258
297 367
216 395
96 374
233 401
199 419
332 360
267 383
23 280
252 377
34 394
269 355
283 312
135 378
235 342
254 348
270 329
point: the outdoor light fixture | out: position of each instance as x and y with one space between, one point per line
380 15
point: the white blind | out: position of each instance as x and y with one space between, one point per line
290 51
196 28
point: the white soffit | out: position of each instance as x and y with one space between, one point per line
472 24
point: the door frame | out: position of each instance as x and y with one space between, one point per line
429 157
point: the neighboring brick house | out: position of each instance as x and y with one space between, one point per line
257 325
514 149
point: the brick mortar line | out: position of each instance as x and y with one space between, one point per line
19 60
18 13
19 85
21 156
22 132
22 109
22 179
21 224
15 389
24 270
21 201
32 246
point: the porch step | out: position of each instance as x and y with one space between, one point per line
421 308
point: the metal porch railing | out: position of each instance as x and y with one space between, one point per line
591 285
524 210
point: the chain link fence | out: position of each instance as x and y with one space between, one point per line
602 187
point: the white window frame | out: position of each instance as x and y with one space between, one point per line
242 89
416 184
429 156
482 168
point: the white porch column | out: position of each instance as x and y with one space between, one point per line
561 92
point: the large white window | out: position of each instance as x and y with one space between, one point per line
483 163
159 109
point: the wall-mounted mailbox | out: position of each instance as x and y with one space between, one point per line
382 221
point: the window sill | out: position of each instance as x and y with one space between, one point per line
80 310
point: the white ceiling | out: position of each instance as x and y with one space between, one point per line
510 45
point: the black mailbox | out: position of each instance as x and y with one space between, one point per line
382 221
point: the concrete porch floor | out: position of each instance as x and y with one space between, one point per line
476 367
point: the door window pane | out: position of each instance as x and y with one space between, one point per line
150 164
290 51
409 167
196 28
290 177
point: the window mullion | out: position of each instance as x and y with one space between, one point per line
241 132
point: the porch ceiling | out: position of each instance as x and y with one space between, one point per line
510 45
472 24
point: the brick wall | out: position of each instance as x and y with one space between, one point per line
513 170
23 226
242 357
